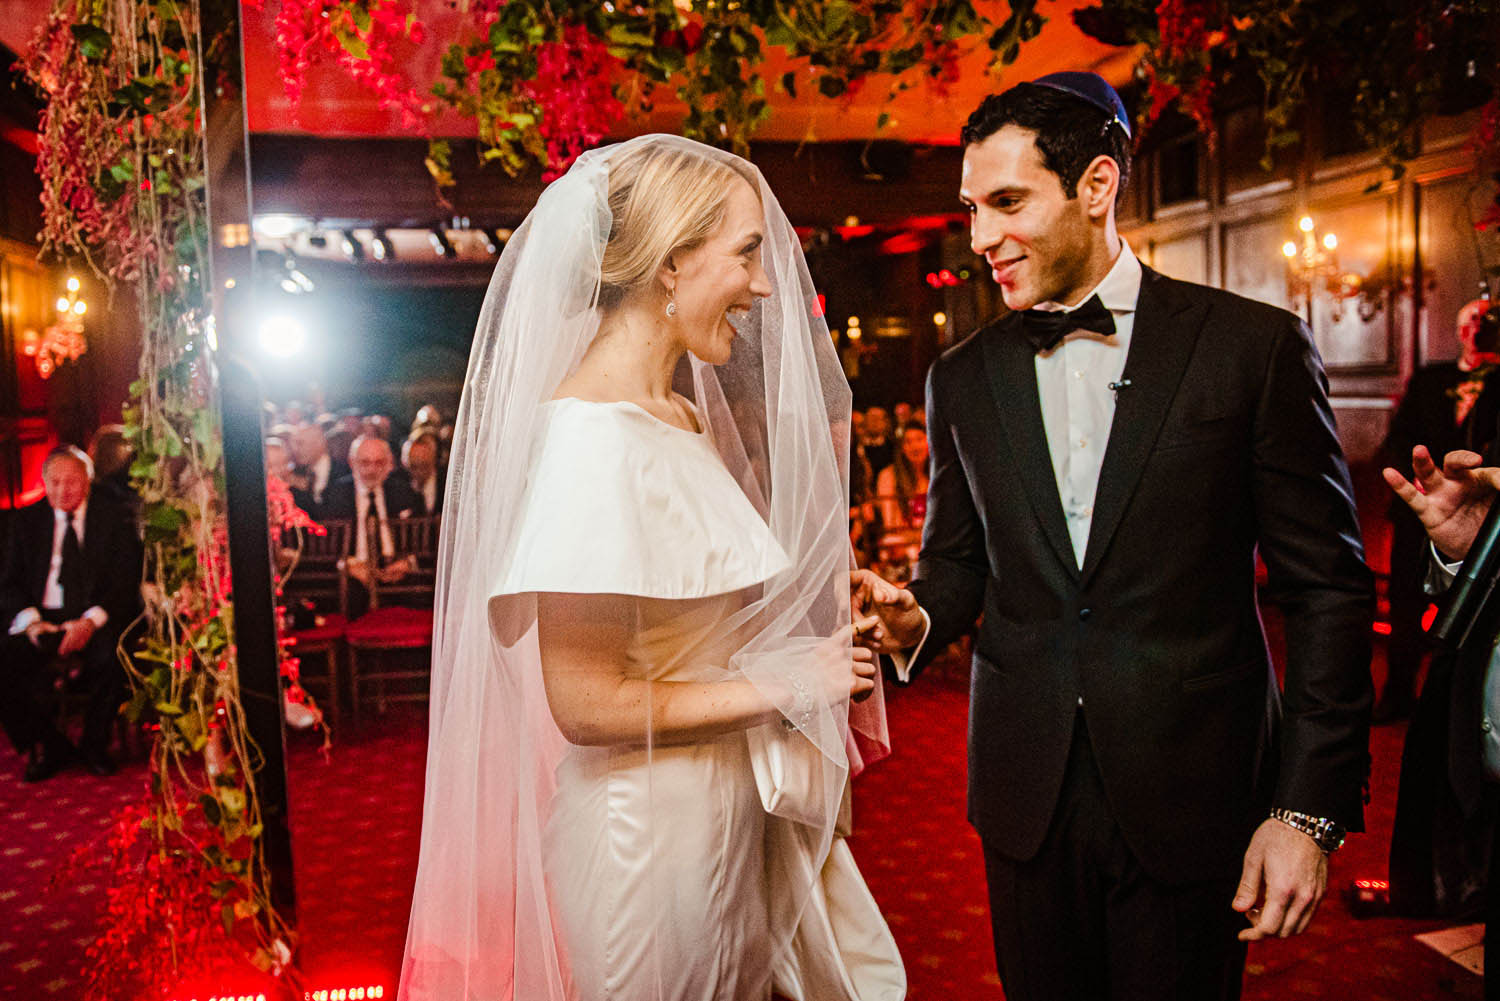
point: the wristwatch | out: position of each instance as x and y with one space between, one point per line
1329 834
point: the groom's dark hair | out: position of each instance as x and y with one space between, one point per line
1070 132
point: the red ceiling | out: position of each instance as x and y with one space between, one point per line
334 105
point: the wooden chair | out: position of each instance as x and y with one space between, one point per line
317 575
399 619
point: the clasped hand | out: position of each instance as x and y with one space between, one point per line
886 617
76 634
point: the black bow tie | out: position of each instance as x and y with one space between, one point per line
1044 328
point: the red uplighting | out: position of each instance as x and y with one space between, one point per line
1383 628
1372 884
934 280
820 307
345 994
1428 617
947 277
902 243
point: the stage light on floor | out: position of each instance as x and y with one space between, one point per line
282 336
381 247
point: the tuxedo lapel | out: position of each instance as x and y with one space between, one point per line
1166 328
1010 364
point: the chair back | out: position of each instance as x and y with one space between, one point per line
317 573
416 538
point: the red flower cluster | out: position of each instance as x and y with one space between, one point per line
574 88
361 37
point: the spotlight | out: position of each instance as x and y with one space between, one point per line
351 246
492 240
278 226
381 246
441 245
282 336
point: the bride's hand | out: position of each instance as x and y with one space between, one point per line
849 671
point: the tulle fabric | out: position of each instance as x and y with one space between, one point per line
485 921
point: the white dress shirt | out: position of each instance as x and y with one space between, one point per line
321 469
362 512
52 591
1078 408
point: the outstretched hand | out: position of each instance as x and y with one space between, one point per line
887 619
1451 500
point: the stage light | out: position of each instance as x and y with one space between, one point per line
278 226
381 247
351 246
940 319
73 284
441 245
63 305
80 307
282 336
492 240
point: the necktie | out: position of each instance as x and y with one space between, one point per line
372 531
1044 328
70 573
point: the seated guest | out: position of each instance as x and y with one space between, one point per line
112 454
279 465
419 456
69 584
370 499
315 463
876 441
902 486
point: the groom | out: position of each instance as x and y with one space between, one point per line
1108 459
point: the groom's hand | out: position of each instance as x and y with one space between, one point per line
1450 500
898 622
1282 883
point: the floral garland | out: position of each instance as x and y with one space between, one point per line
1398 61
545 79
121 160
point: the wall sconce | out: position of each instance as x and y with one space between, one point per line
63 341
1313 267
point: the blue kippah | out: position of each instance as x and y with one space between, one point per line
1091 88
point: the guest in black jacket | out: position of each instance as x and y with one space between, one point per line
69 584
1447 406
370 500
419 457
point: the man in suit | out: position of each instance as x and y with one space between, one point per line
69 585
370 499
1107 460
1447 406
1460 780
419 457
316 468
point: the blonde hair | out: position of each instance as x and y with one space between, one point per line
661 200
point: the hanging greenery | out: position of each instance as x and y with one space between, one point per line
121 160
1387 65
546 79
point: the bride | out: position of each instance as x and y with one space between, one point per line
645 703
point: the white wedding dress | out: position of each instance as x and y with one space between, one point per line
663 866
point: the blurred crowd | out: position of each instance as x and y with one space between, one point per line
888 470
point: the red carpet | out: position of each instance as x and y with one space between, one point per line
356 818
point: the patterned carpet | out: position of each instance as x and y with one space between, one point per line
356 817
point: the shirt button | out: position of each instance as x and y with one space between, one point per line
1084 613
1082 442
1080 702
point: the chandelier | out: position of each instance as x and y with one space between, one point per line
63 341
1312 268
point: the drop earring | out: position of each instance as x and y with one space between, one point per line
671 302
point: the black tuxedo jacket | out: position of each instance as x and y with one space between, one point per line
111 568
1224 443
339 503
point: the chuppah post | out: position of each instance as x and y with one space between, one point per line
240 397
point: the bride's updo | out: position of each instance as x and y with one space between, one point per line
662 199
